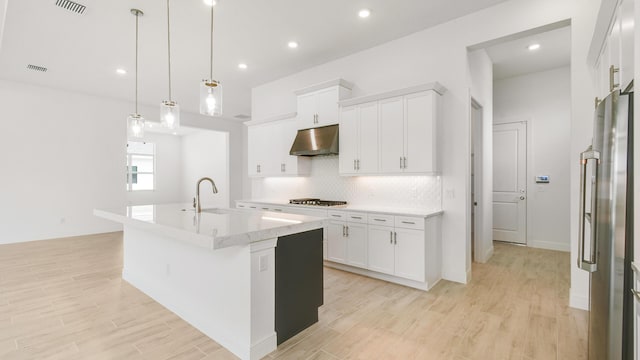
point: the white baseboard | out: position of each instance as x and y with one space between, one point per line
264 347
380 276
578 301
549 245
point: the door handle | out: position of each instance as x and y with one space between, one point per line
590 264
522 198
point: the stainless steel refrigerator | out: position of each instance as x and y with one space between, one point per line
605 244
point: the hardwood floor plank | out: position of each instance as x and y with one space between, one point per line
65 299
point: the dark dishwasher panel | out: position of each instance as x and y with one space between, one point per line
299 282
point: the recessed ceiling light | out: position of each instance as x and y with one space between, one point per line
210 2
121 71
292 44
533 47
242 66
364 13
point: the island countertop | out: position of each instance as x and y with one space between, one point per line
213 228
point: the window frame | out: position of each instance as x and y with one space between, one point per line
129 156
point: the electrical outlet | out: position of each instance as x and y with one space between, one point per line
264 263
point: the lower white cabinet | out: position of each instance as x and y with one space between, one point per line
347 239
397 251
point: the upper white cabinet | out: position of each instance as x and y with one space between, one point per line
612 47
318 104
359 139
402 137
268 149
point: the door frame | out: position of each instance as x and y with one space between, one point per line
483 241
528 170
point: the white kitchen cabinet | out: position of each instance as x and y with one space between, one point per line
337 242
268 149
407 132
612 48
391 135
359 139
410 253
381 249
318 104
347 240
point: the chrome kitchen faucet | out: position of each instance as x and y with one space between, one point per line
196 200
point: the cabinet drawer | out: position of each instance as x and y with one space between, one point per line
409 222
337 215
380 219
357 217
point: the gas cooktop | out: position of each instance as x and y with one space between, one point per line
316 202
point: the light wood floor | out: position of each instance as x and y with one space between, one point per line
64 299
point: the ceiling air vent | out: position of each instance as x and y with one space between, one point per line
36 68
71 6
242 117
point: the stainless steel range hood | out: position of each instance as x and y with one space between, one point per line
316 141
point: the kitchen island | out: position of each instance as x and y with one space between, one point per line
248 280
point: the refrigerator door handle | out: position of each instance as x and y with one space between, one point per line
589 264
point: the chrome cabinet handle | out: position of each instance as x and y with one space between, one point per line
357 217
343 231
380 220
612 83
400 162
354 164
358 164
395 238
589 265
334 215
390 237
405 162
347 230
409 222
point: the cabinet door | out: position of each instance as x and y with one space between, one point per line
348 140
337 242
627 44
410 254
391 130
255 151
368 134
291 165
381 249
306 111
357 245
420 136
327 106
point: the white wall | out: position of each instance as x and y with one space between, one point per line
62 155
481 78
205 154
542 99
168 181
440 54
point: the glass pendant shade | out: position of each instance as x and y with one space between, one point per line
170 114
211 98
135 126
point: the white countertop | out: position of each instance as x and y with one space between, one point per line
425 213
212 228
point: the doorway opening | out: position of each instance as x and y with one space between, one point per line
477 246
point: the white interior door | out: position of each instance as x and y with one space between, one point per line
509 182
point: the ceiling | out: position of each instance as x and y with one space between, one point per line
82 52
512 58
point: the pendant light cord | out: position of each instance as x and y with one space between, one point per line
137 16
169 48
211 50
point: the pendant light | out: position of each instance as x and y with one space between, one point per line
169 109
135 121
210 89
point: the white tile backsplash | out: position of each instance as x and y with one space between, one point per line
419 192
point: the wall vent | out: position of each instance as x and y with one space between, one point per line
242 117
37 68
71 6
